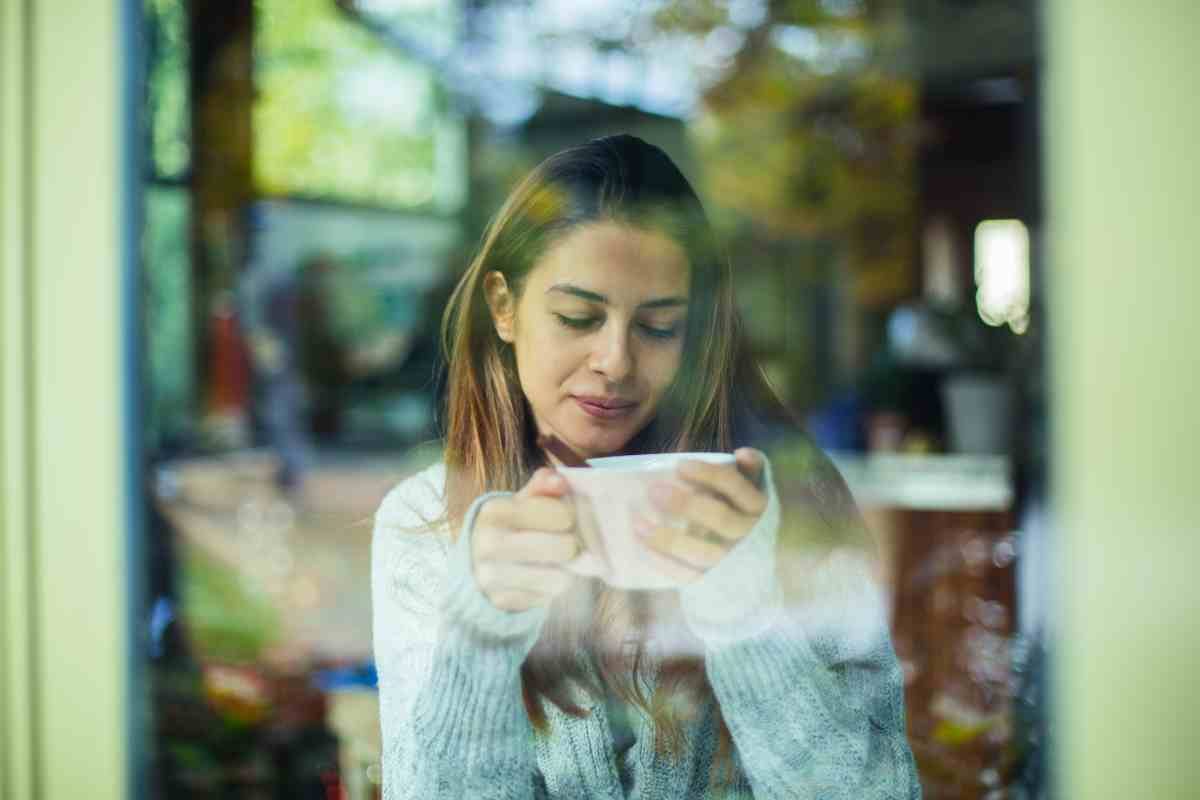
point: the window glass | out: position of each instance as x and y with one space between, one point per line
320 174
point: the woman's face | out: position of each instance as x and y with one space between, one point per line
598 332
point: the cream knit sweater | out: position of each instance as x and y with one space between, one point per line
812 695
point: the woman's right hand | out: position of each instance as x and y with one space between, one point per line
521 543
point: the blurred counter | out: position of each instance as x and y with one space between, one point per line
945 528
927 482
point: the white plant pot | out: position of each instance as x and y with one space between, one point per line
978 413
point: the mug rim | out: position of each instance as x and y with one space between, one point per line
649 461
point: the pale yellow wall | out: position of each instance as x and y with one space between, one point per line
1121 124
62 515
16 709
1122 128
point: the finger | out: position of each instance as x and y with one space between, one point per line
658 553
516 599
681 545
702 510
544 514
493 511
726 481
535 513
530 547
498 576
545 482
751 463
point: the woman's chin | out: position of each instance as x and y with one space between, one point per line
591 445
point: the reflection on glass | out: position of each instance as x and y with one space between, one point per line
338 114
167 101
307 227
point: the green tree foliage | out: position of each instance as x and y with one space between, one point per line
339 115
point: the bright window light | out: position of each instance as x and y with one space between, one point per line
1002 273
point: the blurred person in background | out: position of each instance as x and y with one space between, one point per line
301 363
598 318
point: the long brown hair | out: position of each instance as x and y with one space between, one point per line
489 431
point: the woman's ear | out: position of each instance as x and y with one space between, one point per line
501 303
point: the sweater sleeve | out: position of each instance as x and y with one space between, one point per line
808 684
453 720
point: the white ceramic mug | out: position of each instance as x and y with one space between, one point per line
607 493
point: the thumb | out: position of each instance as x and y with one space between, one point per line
750 463
545 483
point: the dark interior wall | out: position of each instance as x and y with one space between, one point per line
222 89
979 160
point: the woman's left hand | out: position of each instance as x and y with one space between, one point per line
716 510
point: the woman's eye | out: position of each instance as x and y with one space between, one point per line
586 323
576 323
661 333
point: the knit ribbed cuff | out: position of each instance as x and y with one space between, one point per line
470 715
741 596
465 605
764 667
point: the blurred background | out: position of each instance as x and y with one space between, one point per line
962 263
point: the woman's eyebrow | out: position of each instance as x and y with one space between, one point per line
596 297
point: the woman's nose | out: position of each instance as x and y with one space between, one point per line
612 356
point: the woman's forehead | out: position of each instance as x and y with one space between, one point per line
617 260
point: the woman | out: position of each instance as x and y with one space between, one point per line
597 319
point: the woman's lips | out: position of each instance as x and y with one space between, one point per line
605 409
